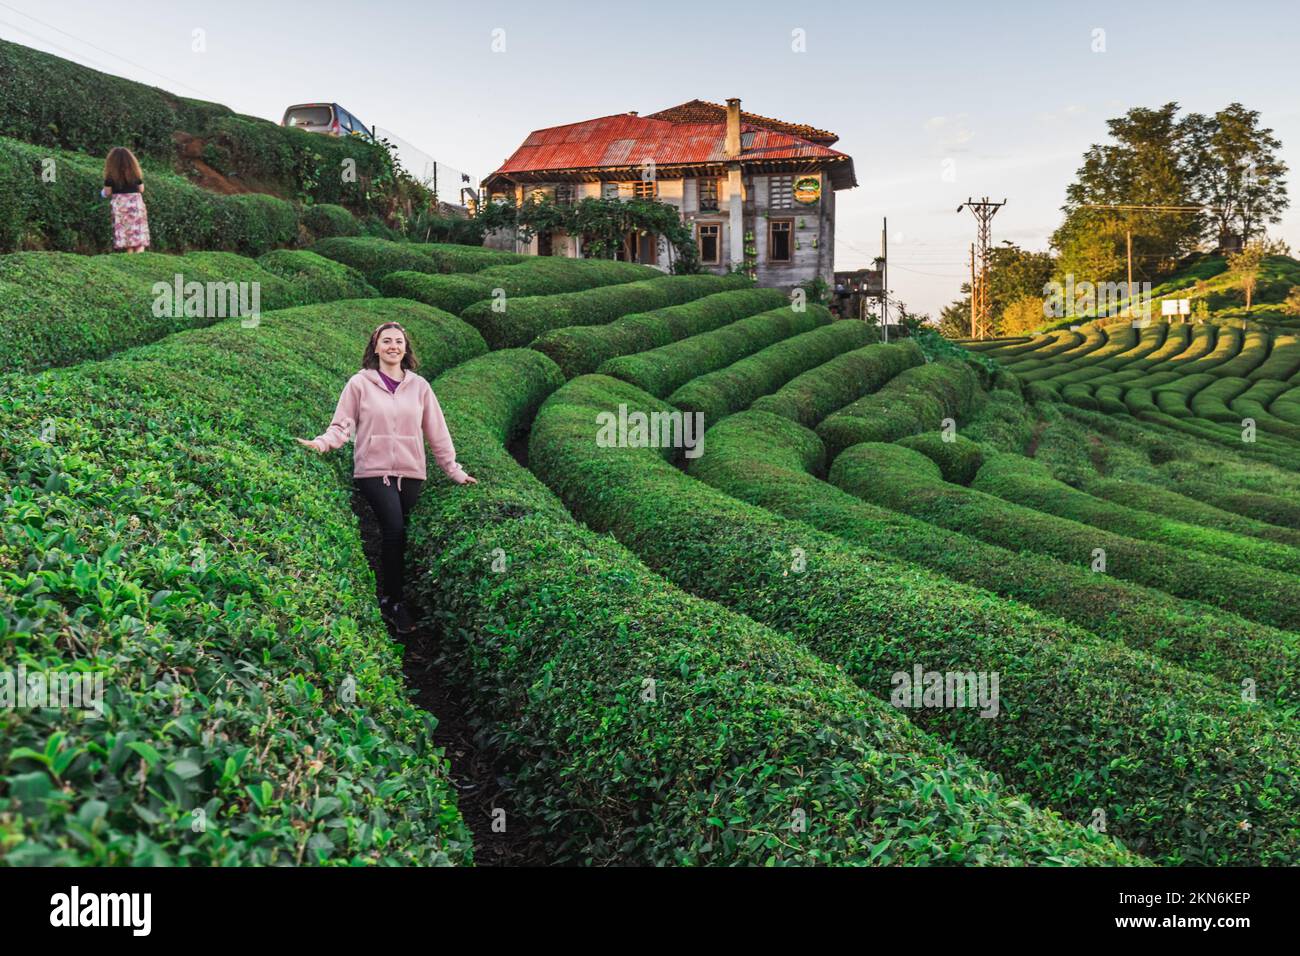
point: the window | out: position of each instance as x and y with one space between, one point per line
609 190
708 189
708 236
645 189
309 116
780 240
780 192
564 194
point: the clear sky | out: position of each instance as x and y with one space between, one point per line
934 100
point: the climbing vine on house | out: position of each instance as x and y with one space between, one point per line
601 223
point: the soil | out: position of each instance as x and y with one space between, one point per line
476 773
1039 427
190 164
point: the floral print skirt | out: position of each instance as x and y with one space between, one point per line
130 221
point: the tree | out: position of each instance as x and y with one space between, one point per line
1226 161
954 319
1014 274
1292 304
1234 167
1023 315
1142 166
1244 265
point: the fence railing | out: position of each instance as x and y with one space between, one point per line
445 181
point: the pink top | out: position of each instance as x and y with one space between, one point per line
391 428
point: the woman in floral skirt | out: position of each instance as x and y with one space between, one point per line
124 186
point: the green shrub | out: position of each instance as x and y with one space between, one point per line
68 214
450 257
59 309
376 258
771 462
1087 722
54 103
918 399
579 349
325 220
1258 594
745 728
661 370
1165 503
316 278
50 101
1027 483
212 572
811 396
527 317
958 458
537 276
718 394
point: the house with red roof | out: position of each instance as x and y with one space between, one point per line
757 192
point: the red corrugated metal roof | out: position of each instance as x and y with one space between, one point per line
627 140
702 111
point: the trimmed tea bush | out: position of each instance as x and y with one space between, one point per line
211 570
810 397
660 371
916 400
771 462
54 103
1259 594
316 278
536 276
730 389
376 258
324 220
454 257
579 349
744 728
1028 483
958 458
1087 722
525 318
68 214
58 309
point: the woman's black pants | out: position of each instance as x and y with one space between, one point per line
391 508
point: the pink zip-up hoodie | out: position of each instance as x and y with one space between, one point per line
391 428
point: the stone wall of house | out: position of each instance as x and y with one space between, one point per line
813 227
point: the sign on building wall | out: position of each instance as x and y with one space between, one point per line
807 189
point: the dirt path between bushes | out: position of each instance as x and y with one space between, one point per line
476 773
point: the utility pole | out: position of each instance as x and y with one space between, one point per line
984 210
884 279
973 290
1128 289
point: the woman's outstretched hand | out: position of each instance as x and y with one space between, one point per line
310 443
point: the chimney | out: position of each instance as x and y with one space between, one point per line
732 147
631 113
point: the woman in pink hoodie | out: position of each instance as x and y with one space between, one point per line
392 411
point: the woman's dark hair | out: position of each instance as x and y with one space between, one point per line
122 169
371 358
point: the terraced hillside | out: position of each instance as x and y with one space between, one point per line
1232 383
680 644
